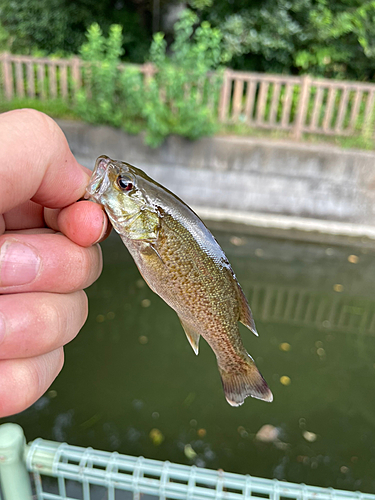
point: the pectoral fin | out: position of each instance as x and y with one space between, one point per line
192 336
246 317
148 248
157 253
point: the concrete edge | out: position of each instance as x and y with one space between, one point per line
287 223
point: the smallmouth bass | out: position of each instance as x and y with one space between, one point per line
182 262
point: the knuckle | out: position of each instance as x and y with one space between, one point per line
36 119
37 374
62 319
22 387
48 132
35 115
49 317
88 267
26 380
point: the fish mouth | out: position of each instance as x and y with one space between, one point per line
99 181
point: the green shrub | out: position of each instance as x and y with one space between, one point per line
132 99
181 96
98 101
178 99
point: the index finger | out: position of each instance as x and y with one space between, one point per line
36 162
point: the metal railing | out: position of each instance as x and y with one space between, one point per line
115 474
292 104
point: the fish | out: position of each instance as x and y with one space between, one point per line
182 262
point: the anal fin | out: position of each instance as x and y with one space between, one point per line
192 336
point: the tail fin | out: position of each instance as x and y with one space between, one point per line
244 382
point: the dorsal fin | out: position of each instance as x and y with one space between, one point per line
192 336
246 316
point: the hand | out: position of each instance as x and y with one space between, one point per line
47 254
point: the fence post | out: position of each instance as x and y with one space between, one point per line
7 76
14 478
30 78
368 122
225 96
148 71
302 107
76 76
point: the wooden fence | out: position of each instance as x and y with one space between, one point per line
298 104
292 104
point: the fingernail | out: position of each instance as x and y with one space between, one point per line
2 328
19 264
104 228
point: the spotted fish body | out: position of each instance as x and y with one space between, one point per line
183 263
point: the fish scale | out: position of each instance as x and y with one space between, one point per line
182 262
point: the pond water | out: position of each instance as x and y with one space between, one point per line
132 383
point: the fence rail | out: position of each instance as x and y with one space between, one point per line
292 104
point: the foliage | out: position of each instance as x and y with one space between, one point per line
323 37
109 96
267 34
59 26
133 93
5 39
201 4
329 38
98 101
178 94
39 24
341 42
175 100
260 35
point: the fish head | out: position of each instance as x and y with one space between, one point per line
116 186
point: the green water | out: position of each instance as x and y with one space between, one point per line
132 383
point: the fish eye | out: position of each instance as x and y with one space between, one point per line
124 183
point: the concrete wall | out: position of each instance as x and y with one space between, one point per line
245 174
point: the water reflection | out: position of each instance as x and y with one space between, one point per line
301 306
131 382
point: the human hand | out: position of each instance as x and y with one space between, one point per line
47 254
